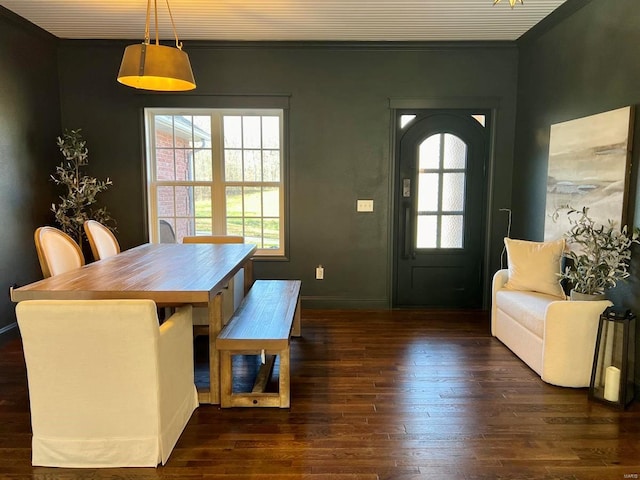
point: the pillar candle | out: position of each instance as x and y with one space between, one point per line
612 384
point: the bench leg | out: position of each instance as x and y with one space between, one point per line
256 398
226 379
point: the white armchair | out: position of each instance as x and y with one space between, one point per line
108 386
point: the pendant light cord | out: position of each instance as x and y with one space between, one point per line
155 14
173 25
146 23
504 248
147 30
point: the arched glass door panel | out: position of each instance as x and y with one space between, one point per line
442 171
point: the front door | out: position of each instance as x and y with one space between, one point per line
440 214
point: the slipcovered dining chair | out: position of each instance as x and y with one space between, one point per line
232 295
102 241
108 386
57 251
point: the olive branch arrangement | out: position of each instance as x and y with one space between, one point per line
77 203
600 254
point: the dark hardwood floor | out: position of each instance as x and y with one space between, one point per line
378 395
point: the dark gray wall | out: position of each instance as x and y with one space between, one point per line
339 139
585 64
29 124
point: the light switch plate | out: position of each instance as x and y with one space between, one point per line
364 206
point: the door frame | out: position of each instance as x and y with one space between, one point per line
454 103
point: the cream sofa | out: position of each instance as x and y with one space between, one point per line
555 337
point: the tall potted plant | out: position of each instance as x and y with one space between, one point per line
599 255
77 203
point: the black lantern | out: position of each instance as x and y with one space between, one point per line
612 375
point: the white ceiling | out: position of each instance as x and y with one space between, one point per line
258 20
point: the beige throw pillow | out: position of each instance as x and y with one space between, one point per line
534 266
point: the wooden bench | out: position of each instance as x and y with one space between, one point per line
263 323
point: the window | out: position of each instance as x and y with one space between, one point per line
216 172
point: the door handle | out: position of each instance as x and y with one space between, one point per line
407 234
406 187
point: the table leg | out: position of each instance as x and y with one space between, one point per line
248 275
215 325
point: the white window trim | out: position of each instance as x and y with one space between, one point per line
217 184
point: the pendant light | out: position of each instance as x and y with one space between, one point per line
156 67
511 2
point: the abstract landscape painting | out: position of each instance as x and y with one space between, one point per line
588 165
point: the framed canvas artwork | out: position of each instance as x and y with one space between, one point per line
589 166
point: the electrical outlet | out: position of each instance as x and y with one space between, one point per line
319 272
364 206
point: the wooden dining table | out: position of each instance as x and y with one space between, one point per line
169 274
